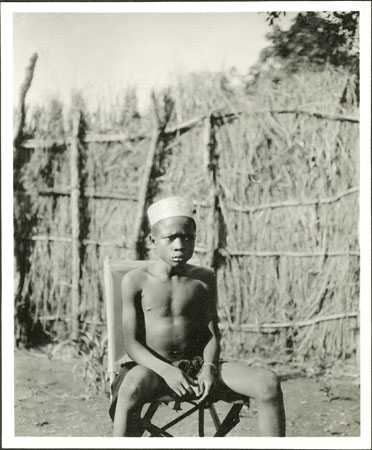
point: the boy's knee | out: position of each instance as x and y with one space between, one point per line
130 391
269 387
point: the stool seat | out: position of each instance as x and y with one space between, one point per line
225 396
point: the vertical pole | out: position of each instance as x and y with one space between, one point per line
210 162
142 197
22 210
147 186
20 113
75 225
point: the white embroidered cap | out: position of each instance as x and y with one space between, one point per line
171 207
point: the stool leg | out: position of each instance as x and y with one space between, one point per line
151 410
149 414
215 418
201 421
230 421
156 431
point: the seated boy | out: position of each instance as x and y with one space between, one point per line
171 331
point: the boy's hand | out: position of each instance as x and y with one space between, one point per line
205 381
178 381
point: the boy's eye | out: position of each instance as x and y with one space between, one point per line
186 238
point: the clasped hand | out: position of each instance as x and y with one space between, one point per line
179 381
206 380
183 384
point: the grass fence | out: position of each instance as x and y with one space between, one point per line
275 176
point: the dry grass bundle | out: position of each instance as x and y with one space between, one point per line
277 194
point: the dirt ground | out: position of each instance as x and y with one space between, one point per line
51 401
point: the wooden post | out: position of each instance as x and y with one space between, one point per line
24 214
210 162
20 115
142 197
75 225
145 195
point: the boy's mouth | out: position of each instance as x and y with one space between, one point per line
178 258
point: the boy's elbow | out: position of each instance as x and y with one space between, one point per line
217 336
131 351
129 345
217 342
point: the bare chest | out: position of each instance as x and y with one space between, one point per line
174 298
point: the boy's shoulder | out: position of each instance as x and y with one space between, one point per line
204 274
136 277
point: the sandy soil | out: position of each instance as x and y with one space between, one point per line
51 401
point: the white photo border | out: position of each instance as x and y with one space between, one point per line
8 438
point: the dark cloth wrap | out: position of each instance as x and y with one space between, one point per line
190 367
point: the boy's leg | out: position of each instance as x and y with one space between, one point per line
262 385
139 386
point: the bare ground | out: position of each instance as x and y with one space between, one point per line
51 401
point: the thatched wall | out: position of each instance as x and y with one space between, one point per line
275 175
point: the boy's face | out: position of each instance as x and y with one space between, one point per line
174 239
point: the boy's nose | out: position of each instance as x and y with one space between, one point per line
178 244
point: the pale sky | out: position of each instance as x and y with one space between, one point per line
108 51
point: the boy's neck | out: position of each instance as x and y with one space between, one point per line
169 271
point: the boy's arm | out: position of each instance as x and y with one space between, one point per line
211 353
176 380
